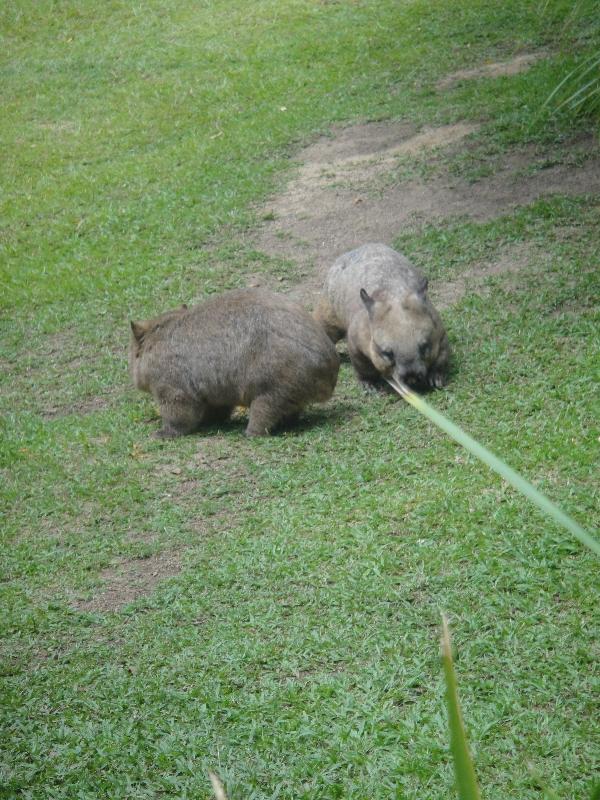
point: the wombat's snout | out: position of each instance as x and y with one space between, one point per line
412 373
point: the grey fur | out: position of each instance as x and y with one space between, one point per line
245 347
375 297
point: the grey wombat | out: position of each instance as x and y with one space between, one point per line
379 300
245 347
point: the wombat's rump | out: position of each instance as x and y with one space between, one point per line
246 347
375 297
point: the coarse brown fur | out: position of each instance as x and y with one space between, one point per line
378 300
245 347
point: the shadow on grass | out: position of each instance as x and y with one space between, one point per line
331 416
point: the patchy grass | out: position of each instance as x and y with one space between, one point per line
295 650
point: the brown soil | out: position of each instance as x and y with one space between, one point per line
322 214
497 69
131 579
88 406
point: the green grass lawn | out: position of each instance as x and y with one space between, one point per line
296 651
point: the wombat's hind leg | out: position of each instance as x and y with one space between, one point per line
266 414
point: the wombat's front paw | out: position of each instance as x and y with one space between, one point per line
437 380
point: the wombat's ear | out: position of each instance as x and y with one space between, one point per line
413 302
367 300
184 306
139 330
423 286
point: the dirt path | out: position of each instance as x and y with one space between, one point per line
341 196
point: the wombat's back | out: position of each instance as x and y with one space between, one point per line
236 345
370 267
288 348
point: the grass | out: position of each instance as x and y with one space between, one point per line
578 92
514 479
295 653
466 780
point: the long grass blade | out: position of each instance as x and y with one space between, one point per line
586 98
466 780
499 466
217 787
559 86
572 101
581 70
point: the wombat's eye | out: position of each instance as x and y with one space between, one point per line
424 349
388 355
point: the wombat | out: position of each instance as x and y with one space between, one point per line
245 347
375 297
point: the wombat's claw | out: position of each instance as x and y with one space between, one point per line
437 381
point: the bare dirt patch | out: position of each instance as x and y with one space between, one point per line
337 200
365 150
88 406
496 69
62 126
131 579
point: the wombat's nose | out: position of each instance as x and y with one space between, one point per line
413 375
409 373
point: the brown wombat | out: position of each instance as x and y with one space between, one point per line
245 347
375 297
